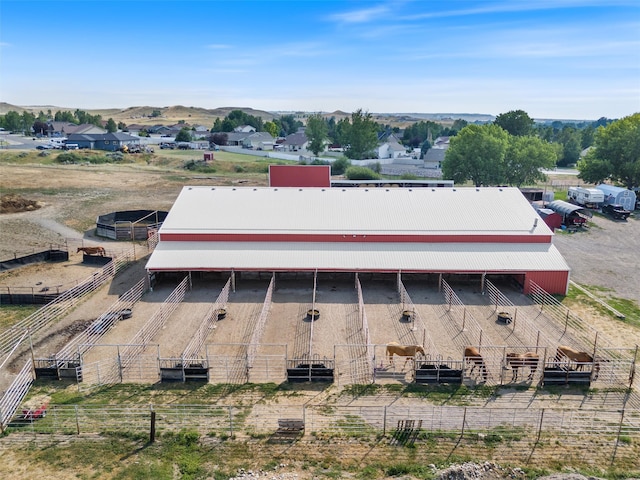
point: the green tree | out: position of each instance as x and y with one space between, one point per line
516 122
184 135
477 153
617 145
362 136
271 128
12 121
525 158
111 126
64 116
316 132
594 170
289 124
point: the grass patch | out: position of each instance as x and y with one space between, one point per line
629 308
12 314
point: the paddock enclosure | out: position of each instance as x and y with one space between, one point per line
307 327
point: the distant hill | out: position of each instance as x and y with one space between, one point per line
143 114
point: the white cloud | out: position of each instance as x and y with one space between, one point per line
360 16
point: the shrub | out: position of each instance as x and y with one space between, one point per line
340 166
361 173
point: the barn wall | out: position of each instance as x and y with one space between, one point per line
299 175
553 282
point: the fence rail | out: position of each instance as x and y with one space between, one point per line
463 318
13 397
83 342
144 336
260 323
194 349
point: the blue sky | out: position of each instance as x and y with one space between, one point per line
563 59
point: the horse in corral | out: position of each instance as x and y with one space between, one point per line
519 360
472 355
580 358
407 351
92 250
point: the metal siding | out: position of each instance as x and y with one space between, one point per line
553 282
299 175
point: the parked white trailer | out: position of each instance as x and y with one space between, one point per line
618 196
587 197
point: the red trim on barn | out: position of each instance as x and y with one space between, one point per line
299 175
350 238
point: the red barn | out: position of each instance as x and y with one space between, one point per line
467 231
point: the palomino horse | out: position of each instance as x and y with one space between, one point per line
472 355
407 351
92 250
580 358
519 360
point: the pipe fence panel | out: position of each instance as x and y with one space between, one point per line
427 342
15 394
83 342
463 319
155 323
196 345
260 323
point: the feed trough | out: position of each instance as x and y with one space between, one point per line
221 313
407 315
313 314
505 318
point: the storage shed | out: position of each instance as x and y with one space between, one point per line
572 215
618 196
458 231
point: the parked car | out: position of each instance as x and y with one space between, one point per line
44 147
616 211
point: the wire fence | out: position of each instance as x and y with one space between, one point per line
526 433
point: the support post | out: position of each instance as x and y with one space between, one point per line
152 430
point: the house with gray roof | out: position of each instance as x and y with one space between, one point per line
259 141
111 142
296 141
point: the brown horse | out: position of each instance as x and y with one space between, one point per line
580 358
92 250
407 351
472 355
519 360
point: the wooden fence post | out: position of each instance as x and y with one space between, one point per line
77 420
152 431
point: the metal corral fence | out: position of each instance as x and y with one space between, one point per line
463 318
56 309
256 336
526 434
110 371
597 342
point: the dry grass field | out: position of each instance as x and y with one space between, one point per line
604 259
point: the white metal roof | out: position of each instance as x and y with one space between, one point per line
479 211
408 257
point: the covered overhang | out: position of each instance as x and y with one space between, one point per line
356 257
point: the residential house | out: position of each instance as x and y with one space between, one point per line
391 148
235 139
63 129
259 141
434 157
103 141
244 129
296 141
